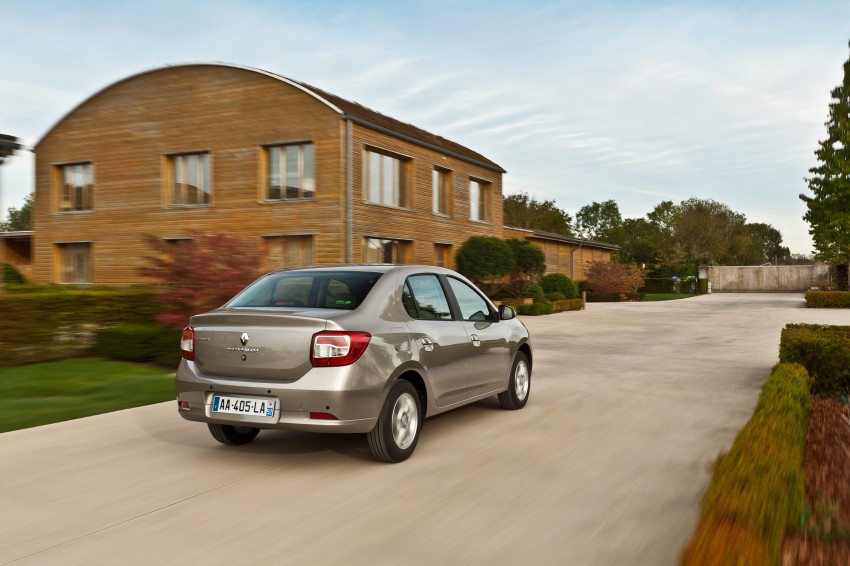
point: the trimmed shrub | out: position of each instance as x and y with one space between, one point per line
537 294
535 309
756 489
552 297
152 343
825 353
559 283
828 300
702 288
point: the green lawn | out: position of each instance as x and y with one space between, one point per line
59 391
666 296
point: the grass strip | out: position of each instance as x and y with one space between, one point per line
42 394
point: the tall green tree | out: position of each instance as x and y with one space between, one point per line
524 211
600 221
19 220
828 211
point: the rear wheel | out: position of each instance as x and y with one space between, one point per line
231 434
397 431
519 385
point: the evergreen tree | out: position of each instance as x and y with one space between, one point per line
828 212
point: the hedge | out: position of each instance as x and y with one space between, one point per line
50 323
596 298
828 300
11 276
756 491
658 285
535 309
151 343
552 297
825 353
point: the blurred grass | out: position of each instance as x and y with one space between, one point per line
41 394
665 296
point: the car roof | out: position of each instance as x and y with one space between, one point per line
365 267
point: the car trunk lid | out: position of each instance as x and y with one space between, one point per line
255 344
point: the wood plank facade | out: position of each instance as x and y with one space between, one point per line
213 148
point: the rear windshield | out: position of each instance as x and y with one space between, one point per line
344 290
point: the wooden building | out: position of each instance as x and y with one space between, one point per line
564 254
213 148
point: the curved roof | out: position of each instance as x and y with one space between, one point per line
345 108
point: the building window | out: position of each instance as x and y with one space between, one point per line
386 179
441 189
380 250
290 171
75 263
442 255
284 252
479 200
76 191
190 179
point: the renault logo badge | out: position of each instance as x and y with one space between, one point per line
244 338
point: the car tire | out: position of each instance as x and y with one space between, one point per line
519 385
397 431
232 435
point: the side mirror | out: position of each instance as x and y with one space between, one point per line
506 312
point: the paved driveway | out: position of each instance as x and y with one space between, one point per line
630 403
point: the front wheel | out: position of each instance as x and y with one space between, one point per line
519 384
232 435
397 431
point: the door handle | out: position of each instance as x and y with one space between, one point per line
427 344
475 340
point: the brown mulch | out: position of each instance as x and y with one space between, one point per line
826 540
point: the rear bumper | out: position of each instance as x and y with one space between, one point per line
348 393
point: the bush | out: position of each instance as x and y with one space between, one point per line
530 264
484 260
552 297
756 489
11 276
537 294
559 283
825 353
152 343
535 309
828 300
703 286
612 278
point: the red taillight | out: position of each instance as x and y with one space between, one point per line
187 343
332 348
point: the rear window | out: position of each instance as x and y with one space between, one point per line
344 290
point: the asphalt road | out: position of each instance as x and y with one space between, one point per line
629 404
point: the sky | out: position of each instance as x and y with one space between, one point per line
632 101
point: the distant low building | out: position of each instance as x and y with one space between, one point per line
310 177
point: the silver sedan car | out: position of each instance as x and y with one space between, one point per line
357 349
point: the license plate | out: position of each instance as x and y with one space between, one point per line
243 406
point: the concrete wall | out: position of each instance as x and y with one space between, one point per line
765 279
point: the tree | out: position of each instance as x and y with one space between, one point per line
485 260
600 221
530 264
828 211
524 211
199 274
19 220
614 278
